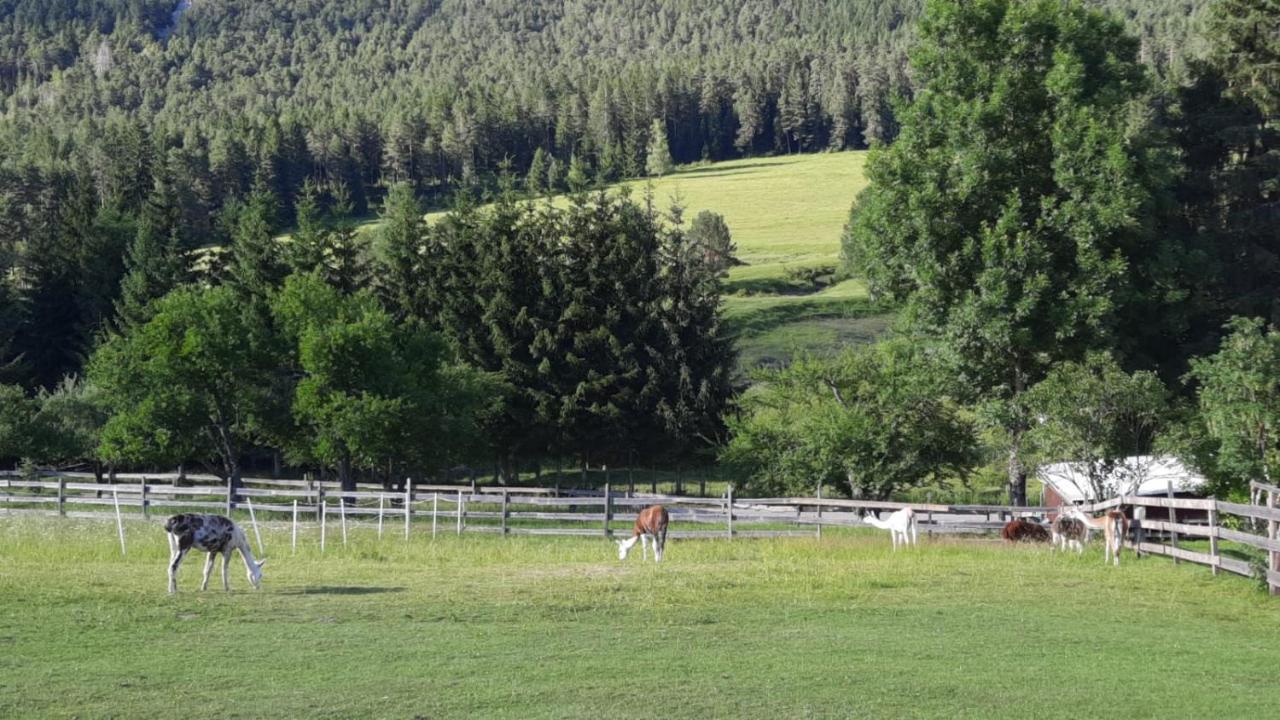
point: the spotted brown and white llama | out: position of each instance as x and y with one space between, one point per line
651 526
213 534
901 525
1069 531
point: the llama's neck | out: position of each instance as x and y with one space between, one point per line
241 543
877 522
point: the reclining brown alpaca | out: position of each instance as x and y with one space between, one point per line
1024 531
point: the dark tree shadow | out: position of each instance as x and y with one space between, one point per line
341 590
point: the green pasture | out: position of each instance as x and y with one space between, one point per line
541 627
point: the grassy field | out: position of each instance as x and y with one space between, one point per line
558 628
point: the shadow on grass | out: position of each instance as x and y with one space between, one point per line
761 320
715 171
341 590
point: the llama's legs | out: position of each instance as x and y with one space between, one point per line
208 570
915 539
659 544
644 546
226 561
174 561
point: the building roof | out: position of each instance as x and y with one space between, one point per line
1137 475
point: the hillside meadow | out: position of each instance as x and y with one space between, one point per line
484 626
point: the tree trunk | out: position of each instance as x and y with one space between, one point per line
1017 472
344 472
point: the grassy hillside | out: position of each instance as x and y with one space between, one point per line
540 627
786 214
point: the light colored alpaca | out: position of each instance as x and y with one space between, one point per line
213 534
1114 526
901 526
651 525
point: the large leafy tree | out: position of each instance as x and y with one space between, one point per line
1238 390
371 389
1095 414
870 421
196 382
1009 214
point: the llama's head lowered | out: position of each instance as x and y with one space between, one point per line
254 573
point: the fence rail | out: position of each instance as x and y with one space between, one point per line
525 511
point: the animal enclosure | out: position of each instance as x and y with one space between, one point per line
511 511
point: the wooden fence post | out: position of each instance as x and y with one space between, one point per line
323 515
1274 557
294 545
230 496
631 479
146 514
1213 534
819 523
1173 520
505 509
62 496
435 510
608 509
381 498
928 517
729 508
319 502
702 484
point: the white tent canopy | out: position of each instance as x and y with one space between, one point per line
1137 475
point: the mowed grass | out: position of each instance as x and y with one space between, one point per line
484 626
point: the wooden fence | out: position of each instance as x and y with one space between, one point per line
544 511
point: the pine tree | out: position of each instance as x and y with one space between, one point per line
536 180
658 160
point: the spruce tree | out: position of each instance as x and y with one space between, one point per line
658 160
536 180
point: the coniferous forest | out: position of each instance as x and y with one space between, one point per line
152 153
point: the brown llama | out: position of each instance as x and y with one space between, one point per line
1025 531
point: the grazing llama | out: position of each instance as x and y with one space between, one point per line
1024 531
1114 525
651 525
213 534
901 526
1069 531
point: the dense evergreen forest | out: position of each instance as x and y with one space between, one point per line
150 153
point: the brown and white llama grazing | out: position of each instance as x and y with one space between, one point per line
213 534
1024 531
1114 525
901 526
651 526
1069 531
